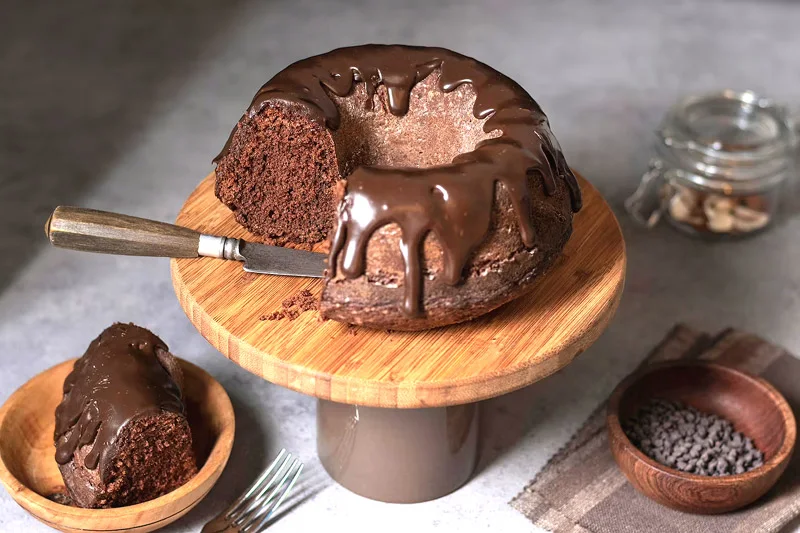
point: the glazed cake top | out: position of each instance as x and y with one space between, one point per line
453 201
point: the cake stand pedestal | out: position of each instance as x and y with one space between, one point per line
397 417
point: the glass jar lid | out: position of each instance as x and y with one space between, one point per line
728 141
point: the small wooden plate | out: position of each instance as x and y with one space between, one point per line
753 405
29 472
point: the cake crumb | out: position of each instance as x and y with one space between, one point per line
61 498
293 306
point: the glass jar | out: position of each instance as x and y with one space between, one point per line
722 161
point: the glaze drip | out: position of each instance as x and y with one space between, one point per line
118 379
452 201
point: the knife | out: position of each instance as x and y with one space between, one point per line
89 230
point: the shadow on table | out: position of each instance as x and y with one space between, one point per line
253 449
503 422
794 525
81 81
570 394
313 480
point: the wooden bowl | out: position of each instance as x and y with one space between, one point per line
29 472
753 406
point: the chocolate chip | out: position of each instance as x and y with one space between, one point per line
691 441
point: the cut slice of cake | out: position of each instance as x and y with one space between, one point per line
122 436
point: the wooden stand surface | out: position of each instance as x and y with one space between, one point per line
514 346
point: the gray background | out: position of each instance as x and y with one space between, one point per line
122 105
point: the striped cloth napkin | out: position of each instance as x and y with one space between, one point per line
581 490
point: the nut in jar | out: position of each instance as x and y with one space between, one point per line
721 162
716 213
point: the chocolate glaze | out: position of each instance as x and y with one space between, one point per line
452 201
120 378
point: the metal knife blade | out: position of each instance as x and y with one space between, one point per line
264 259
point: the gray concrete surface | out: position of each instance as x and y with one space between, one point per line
122 105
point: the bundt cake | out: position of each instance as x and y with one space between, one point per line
435 179
121 433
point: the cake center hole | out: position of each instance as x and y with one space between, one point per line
437 127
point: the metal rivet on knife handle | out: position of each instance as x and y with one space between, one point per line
221 247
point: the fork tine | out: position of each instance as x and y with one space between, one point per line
263 500
255 486
283 496
270 512
254 502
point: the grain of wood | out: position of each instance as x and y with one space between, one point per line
518 344
29 472
89 230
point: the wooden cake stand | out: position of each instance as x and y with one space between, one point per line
397 416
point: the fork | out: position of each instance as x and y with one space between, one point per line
251 511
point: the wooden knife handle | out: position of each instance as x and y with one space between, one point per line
89 230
